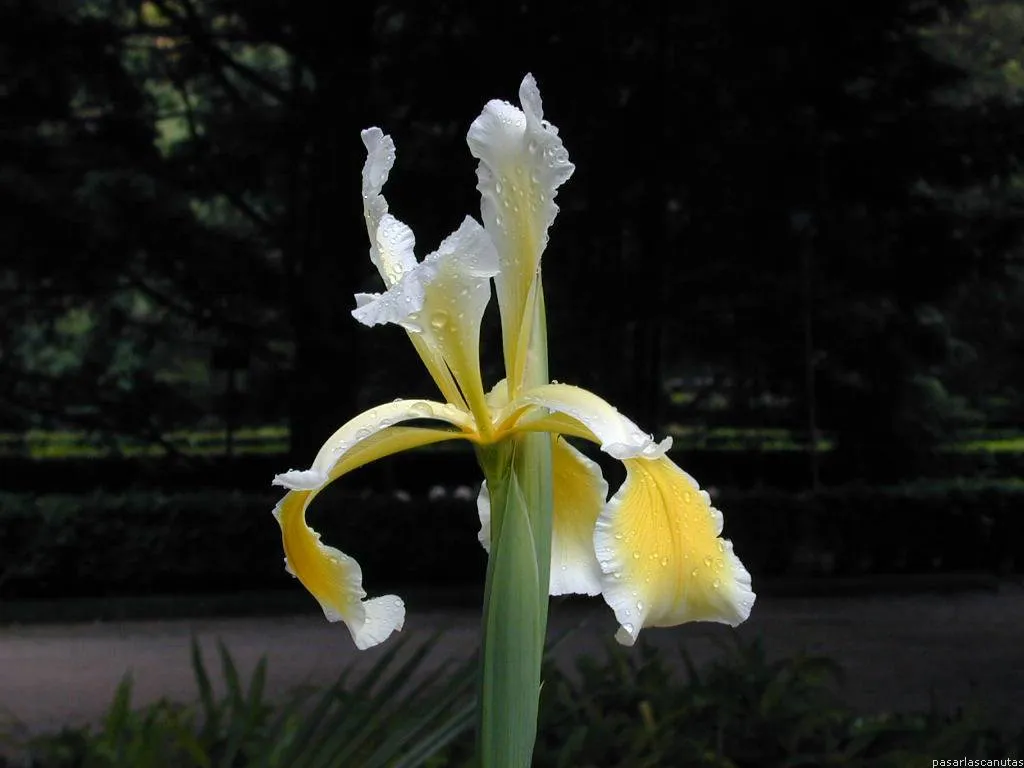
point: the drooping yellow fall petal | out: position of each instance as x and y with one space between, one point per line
664 563
331 576
657 540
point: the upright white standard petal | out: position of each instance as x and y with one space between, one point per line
442 300
522 164
391 245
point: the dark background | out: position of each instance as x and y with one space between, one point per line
792 241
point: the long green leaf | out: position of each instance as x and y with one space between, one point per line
513 630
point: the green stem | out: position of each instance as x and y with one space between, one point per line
518 473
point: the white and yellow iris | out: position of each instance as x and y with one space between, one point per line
654 549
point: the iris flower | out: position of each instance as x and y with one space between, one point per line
654 550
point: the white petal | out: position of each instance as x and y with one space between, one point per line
483 510
380 159
391 241
383 615
301 479
443 299
522 164
580 492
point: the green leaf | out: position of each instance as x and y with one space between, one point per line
513 631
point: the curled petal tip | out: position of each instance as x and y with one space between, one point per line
383 615
653 450
626 635
529 97
380 159
301 479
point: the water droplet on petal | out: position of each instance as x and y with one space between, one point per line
664 562
439 320
694 573
423 410
636 555
628 628
707 561
716 583
497 187
618 536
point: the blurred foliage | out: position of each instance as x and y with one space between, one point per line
831 208
134 543
78 444
399 713
628 709
743 710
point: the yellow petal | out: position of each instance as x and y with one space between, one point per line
658 543
331 576
392 245
522 164
574 411
358 430
441 301
580 492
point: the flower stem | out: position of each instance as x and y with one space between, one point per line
518 473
